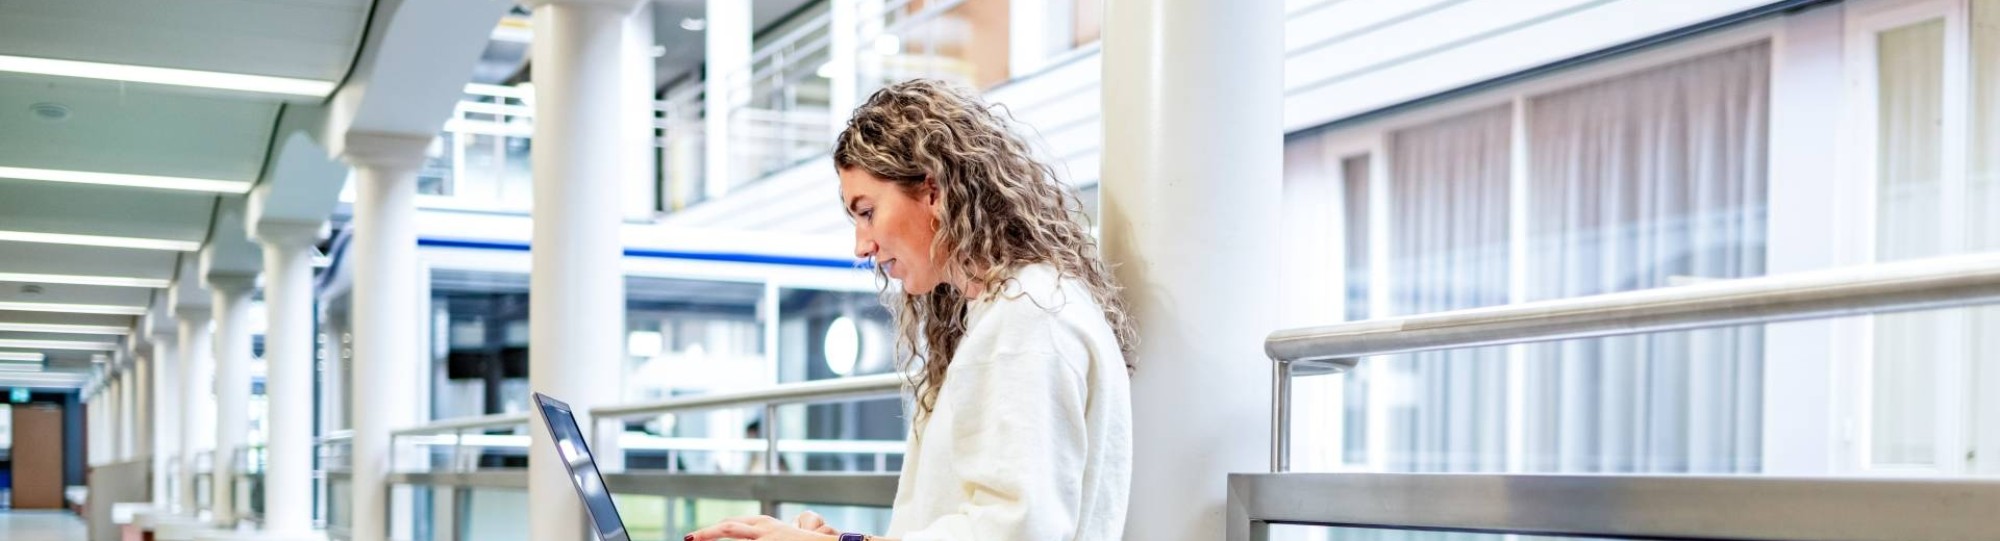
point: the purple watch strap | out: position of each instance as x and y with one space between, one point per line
853 537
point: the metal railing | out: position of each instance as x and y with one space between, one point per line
467 438
878 386
1686 506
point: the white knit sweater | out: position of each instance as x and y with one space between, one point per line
1031 436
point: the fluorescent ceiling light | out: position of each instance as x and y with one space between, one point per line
100 240
167 76
22 356
82 280
74 345
134 181
20 367
64 328
74 308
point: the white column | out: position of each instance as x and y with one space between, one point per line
110 397
1194 88
727 86
288 354
232 386
93 426
844 42
576 306
128 411
167 421
196 399
140 403
637 136
385 322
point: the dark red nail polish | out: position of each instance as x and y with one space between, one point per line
690 537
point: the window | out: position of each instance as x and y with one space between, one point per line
1927 128
1642 179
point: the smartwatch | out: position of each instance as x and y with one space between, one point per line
853 537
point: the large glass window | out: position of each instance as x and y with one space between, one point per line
1648 179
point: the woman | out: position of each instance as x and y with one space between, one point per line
1009 325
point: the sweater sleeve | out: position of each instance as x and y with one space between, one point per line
1019 441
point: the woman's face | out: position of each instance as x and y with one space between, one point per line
893 227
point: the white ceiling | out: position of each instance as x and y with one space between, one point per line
134 128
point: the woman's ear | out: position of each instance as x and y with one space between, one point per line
931 192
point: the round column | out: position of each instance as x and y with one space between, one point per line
232 387
288 354
128 410
385 320
196 399
577 294
1194 92
141 405
166 430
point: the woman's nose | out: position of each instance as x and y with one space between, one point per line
863 248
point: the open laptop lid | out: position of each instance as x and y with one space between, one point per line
575 453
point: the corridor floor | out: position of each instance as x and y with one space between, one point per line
41 526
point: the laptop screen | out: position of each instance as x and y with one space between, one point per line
575 453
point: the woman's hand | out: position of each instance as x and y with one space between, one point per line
764 528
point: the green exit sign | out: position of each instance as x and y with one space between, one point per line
19 396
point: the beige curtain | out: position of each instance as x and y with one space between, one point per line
1646 181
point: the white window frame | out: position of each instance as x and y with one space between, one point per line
1854 355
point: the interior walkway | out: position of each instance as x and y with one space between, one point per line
41 526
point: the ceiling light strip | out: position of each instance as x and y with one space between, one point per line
82 280
99 240
65 328
167 76
73 345
191 184
22 356
73 308
21 367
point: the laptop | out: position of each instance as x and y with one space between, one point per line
575 453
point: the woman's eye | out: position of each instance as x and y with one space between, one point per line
866 214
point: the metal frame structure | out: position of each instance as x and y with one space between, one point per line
1653 507
1640 507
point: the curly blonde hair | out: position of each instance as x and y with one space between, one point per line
998 210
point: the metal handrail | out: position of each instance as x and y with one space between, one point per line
642 442
1922 284
876 386
458 424
1617 506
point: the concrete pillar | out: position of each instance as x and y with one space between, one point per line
232 386
844 40
727 87
140 401
112 396
577 292
166 421
385 322
196 398
93 422
1195 90
637 138
288 354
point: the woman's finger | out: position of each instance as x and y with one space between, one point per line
808 520
729 529
812 522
